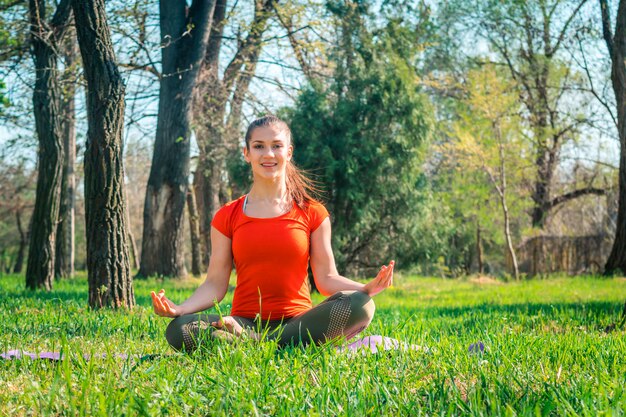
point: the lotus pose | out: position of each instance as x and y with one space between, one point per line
272 234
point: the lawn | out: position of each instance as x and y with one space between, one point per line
546 353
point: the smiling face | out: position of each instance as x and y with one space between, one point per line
268 151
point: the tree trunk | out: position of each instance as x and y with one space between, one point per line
479 249
211 177
505 207
162 246
41 253
509 241
108 263
194 227
500 185
64 261
617 49
19 262
133 247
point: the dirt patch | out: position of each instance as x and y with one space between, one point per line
485 280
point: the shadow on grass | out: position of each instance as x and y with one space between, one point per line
526 309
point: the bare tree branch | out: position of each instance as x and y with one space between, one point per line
565 27
296 47
252 42
147 68
575 194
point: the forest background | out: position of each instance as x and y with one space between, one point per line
455 137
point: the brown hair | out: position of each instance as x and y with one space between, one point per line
301 188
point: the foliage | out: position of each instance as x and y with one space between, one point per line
361 137
487 155
544 355
13 45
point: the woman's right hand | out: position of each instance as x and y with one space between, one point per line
163 306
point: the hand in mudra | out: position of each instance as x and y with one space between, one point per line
163 306
228 324
383 280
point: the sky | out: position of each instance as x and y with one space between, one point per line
141 110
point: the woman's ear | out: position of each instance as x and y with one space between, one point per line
246 156
289 152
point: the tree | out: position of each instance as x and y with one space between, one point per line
487 140
184 34
45 38
194 231
64 259
361 137
17 195
529 38
616 44
108 263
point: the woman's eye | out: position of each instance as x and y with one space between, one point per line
278 146
258 146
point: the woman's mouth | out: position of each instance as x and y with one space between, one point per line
269 164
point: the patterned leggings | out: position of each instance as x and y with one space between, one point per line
345 313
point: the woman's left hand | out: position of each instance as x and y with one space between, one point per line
383 280
229 324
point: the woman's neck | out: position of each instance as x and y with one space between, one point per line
268 190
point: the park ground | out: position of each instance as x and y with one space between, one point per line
546 352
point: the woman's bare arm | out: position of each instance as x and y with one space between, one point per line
328 280
211 290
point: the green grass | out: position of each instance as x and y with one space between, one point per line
546 354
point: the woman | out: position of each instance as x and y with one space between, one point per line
272 234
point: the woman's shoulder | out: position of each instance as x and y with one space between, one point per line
315 205
315 213
226 216
231 206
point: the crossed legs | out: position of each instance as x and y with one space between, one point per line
344 314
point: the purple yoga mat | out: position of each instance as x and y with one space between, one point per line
376 343
53 356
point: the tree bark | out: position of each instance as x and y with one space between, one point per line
133 248
108 263
19 261
194 227
617 49
41 253
64 260
184 48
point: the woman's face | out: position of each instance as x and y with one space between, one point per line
269 151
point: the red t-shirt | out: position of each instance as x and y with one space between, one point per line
271 258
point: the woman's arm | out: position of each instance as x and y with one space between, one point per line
327 279
212 289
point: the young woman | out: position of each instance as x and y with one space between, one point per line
272 234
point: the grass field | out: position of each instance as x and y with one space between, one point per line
545 354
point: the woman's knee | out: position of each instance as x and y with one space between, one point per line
184 331
174 333
362 307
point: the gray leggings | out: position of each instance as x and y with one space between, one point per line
345 313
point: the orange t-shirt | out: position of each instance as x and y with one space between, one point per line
271 258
